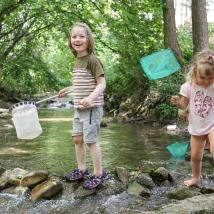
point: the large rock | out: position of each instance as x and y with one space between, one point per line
34 178
195 205
46 189
111 186
16 175
12 177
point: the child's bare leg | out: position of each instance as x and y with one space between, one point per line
211 140
80 152
207 145
97 158
197 148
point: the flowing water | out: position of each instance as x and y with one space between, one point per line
126 145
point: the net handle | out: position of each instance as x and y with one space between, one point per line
55 96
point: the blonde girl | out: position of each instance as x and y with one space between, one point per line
198 94
88 87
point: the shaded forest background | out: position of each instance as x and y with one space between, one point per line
34 56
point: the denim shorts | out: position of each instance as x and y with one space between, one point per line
86 122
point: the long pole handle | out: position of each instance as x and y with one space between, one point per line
49 98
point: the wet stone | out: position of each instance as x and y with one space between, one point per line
16 175
182 193
161 174
11 177
83 193
34 178
122 174
145 180
46 189
3 183
17 190
138 190
2 170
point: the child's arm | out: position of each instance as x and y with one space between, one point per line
181 102
101 85
63 92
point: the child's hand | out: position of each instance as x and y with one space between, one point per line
86 102
62 93
175 100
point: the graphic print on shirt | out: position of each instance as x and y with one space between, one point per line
202 104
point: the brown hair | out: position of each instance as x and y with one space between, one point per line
89 35
203 60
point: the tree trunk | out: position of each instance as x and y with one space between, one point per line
199 25
170 37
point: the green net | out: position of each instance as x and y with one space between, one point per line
178 150
160 64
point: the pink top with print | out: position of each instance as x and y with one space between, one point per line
201 108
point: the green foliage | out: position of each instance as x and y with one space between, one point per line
166 87
165 111
134 30
34 56
24 36
185 40
211 35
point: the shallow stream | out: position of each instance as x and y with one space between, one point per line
127 145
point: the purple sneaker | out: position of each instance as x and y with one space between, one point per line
94 181
76 175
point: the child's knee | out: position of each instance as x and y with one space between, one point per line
91 145
78 140
196 158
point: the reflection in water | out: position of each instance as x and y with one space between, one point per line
125 145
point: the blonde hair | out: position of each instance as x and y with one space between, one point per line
89 35
203 60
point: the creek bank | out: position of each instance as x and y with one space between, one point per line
138 191
126 114
135 108
5 120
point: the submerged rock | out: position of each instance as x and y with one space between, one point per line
182 193
138 190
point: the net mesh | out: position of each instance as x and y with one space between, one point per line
160 64
178 150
